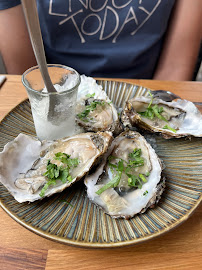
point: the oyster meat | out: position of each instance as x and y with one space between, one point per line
95 111
25 160
128 180
173 119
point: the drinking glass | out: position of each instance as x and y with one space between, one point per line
53 113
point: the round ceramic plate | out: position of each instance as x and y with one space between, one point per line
69 217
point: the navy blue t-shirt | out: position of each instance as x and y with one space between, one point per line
105 38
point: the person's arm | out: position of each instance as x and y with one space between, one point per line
15 45
182 42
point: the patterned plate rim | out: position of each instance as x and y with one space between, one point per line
98 245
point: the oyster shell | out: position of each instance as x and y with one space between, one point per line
95 111
129 178
173 119
23 162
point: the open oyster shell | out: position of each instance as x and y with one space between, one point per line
129 195
23 162
177 118
95 111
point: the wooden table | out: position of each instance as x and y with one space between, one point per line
177 249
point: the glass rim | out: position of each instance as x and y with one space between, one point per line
51 93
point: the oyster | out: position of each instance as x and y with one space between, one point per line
25 160
128 180
95 111
173 119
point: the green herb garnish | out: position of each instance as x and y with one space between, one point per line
122 166
112 184
55 172
157 111
142 177
134 181
151 99
90 95
65 158
153 111
145 193
168 127
91 107
136 153
46 186
134 159
65 201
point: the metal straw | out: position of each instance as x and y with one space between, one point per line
33 25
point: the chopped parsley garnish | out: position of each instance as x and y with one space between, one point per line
151 99
135 181
135 159
142 177
155 111
88 108
55 172
65 201
168 127
65 158
145 193
122 166
135 154
90 95
112 184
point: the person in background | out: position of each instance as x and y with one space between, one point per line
140 39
